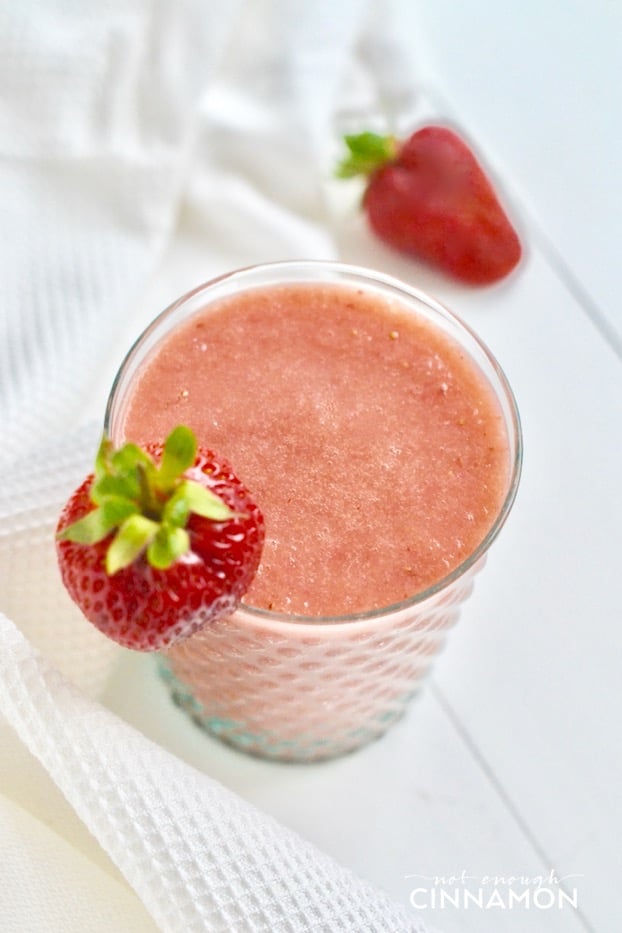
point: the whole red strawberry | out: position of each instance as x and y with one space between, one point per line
429 197
155 544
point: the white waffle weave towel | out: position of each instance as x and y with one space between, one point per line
130 131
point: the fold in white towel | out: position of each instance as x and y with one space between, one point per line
198 856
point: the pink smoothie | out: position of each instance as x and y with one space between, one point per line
373 444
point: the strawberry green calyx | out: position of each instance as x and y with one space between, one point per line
366 153
144 505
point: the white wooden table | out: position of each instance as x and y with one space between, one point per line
511 763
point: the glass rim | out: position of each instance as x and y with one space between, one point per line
406 290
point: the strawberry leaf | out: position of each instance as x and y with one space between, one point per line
98 523
133 536
125 485
203 502
176 510
167 546
102 466
180 449
127 459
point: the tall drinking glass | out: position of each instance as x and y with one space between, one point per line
287 685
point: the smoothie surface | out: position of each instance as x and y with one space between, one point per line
373 444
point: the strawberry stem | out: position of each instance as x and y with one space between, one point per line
144 506
367 152
150 506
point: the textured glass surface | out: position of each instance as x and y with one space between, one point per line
302 692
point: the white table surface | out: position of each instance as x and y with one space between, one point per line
511 762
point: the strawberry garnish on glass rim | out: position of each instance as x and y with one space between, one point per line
158 542
428 196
